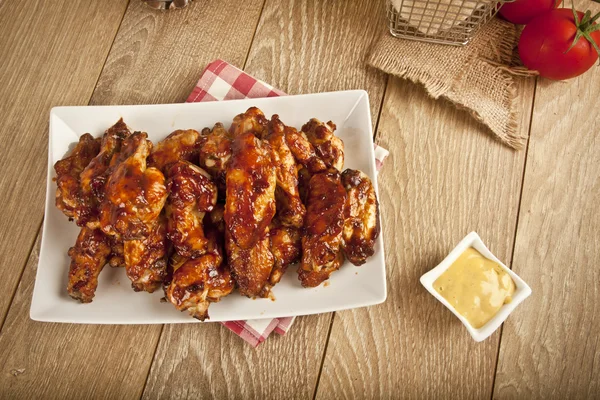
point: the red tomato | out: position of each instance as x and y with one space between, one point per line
522 11
545 40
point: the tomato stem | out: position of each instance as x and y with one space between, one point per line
585 27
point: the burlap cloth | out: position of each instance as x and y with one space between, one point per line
479 77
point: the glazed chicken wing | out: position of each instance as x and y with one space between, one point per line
146 258
179 145
250 200
328 147
249 209
88 257
250 267
326 211
135 195
361 227
191 194
303 151
253 120
215 153
94 176
286 246
197 282
69 197
290 209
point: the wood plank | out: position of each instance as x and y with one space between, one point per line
208 361
552 348
44 360
314 46
51 54
159 56
445 177
113 361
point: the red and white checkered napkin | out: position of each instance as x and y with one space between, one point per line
223 81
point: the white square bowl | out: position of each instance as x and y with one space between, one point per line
521 293
116 302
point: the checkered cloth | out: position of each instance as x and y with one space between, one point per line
223 81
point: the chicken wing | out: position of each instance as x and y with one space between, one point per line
135 195
95 175
88 257
249 209
250 267
286 246
191 194
326 211
69 197
197 282
179 145
146 258
328 147
116 258
215 153
250 200
290 209
303 151
253 120
361 227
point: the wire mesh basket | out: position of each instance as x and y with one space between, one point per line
452 22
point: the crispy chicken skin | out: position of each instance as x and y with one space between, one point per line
135 195
251 267
250 200
191 194
95 175
326 211
303 151
253 120
179 145
290 209
361 227
215 153
146 258
88 257
117 256
69 197
328 147
286 247
197 282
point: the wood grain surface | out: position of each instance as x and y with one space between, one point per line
283 367
158 56
209 361
318 46
48 57
444 178
70 361
553 350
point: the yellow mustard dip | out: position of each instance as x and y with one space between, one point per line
476 287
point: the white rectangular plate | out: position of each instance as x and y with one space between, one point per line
115 301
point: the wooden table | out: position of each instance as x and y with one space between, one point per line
538 209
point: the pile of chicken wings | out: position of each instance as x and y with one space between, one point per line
202 213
